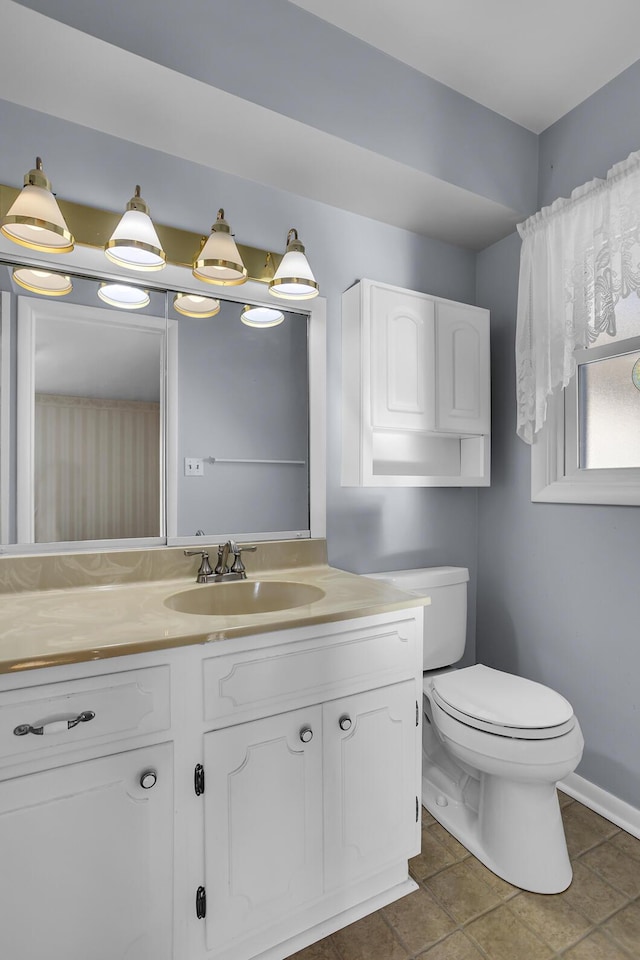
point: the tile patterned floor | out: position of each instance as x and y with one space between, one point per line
462 911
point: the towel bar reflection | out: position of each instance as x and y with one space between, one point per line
300 463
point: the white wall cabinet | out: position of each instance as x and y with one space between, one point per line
301 819
416 389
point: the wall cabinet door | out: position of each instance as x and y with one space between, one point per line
402 360
87 860
462 367
371 782
263 826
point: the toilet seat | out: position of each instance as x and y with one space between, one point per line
501 703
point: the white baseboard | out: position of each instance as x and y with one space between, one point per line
594 797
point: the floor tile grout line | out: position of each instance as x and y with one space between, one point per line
597 929
542 940
617 909
609 882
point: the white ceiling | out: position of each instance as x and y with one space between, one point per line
529 60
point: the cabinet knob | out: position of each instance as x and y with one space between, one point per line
345 722
306 734
148 779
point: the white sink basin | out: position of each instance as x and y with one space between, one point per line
243 598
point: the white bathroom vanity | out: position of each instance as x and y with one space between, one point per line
226 791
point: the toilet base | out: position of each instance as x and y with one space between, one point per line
515 829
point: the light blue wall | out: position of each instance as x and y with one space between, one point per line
242 394
277 55
587 141
558 584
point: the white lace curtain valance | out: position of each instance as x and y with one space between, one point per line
579 258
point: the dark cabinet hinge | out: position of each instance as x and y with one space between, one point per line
198 779
201 903
417 714
417 809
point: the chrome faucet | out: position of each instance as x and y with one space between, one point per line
224 549
222 571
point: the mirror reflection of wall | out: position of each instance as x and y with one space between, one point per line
243 413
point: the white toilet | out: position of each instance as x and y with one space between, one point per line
494 746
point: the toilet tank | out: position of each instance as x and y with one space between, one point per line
445 620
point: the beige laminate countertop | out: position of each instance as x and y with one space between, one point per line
42 628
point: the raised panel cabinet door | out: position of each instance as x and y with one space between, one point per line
263 827
86 869
463 375
402 354
371 779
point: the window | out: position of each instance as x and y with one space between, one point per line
589 448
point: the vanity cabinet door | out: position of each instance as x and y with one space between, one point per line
87 860
263 829
371 781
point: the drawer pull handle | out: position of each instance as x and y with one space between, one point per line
345 722
54 726
306 734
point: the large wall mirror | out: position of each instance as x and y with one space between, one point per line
123 427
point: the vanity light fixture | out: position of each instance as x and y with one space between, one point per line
34 219
42 281
293 280
134 243
219 260
123 296
193 305
261 316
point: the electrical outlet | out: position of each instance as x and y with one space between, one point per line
193 467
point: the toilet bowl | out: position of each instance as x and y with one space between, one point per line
494 746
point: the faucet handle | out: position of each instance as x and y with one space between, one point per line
238 565
205 567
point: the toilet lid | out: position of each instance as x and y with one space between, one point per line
491 700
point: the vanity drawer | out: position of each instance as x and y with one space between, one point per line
123 705
285 676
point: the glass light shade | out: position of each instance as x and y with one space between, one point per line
134 243
192 305
294 280
261 316
123 296
34 220
43 282
219 261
